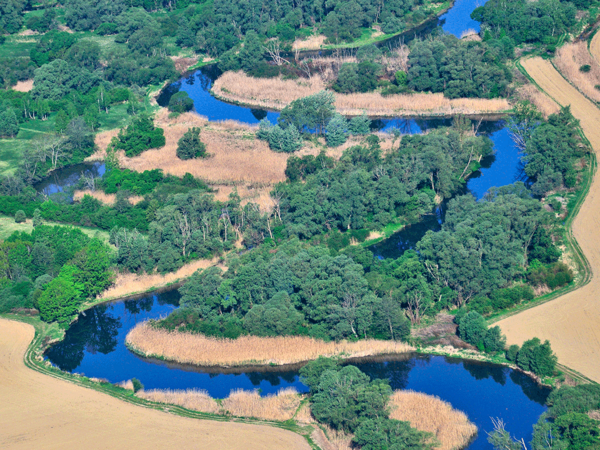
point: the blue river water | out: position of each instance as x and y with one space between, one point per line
458 18
95 346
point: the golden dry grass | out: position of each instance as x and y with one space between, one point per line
42 412
23 86
570 322
595 47
280 406
107 199
276 93
200 350
542 102
236 156
428 413
127 284
569 58
194 399
313 42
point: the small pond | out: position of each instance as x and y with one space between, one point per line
457 19
60 180
95 346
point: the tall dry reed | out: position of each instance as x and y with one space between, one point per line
198 349
313 42
281 406
276 93
194 399
428 413
107 199
130 283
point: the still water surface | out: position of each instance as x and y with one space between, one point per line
95 346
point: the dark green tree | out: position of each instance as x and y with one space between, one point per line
190 146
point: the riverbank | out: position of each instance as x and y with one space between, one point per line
44 412
276 93
569 322
196 349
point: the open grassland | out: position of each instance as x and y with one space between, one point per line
8 226
570 322
425 412
11 150
276 93
569 58
197 349
127 284
281 406
42 412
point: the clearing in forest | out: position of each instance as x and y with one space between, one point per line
571 322
42 412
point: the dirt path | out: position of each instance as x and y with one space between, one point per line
40 412
571 322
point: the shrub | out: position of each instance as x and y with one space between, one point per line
190 146
20 216
137 385
180 102
512 352
585 68
337 131
140 135
359 125
537 357
285 140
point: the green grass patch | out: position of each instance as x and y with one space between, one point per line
18 46
8 226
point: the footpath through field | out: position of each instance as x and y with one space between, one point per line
40 412
571 322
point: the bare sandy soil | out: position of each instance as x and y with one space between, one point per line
40 412
571 322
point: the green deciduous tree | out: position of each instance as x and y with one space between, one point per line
190 146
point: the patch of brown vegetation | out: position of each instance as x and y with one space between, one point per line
569 58
441 332
542 102
107 199
43 412
451 427
276 93
23 86
569 322
182 64
313 42
127 284
197 349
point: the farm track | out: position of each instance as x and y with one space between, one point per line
42 412
570 322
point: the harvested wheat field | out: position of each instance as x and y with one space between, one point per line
41 412
569 58
571 322
425 412
187 348
595 47
276 93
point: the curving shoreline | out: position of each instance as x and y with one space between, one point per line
199 350
275 94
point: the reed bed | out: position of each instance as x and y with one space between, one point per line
200 350
281 406
194 399
130 283
331 439
569 58
107 199
428 413
313 42
276 93
542 102
127 384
